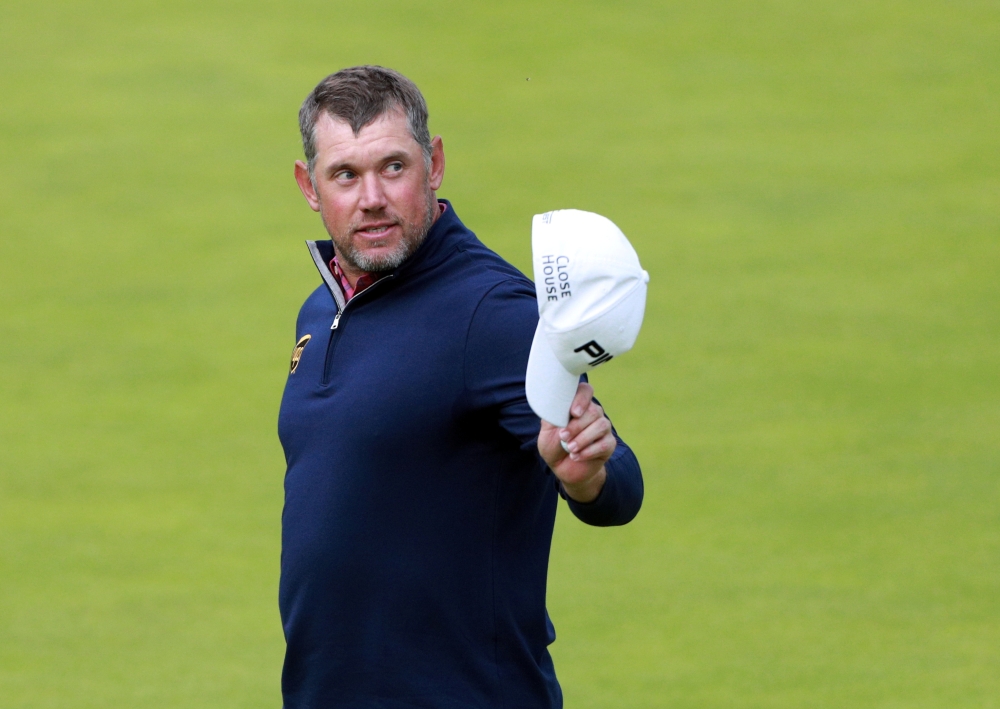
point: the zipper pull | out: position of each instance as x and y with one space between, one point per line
336 320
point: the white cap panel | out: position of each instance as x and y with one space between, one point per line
549 387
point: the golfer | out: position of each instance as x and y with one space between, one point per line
421 488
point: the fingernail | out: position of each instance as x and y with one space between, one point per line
574 456
573 447
564 435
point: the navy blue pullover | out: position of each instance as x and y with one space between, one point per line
418 513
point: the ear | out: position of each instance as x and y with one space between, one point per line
306 185
436 176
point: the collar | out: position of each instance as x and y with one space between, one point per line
364 280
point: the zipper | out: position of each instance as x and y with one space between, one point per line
331 344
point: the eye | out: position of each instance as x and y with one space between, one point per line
394 167
345 176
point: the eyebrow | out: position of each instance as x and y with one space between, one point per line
390 157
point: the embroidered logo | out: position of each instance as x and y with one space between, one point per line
297 353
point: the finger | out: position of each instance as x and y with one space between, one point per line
593 412
594 432
584 395
598 450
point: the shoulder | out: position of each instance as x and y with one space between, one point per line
502 290
465 261
494 275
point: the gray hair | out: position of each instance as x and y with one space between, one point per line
359 95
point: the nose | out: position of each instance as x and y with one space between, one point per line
372 194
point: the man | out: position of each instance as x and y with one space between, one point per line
421 489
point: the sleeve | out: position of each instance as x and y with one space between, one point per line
621 497
496 358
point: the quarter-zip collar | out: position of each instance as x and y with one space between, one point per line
322 252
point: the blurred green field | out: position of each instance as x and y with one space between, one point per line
815 398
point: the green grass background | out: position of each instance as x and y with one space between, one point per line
814 188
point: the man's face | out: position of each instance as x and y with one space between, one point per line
373 190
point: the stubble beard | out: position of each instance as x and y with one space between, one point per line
383 261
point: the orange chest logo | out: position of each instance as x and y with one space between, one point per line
297 353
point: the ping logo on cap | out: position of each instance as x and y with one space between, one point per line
297 353
593 349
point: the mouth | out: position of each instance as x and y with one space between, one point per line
377 230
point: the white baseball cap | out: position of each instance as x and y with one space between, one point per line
591 297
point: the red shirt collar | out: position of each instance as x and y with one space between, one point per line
365 280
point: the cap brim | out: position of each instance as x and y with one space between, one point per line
549 387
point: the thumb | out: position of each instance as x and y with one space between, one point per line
549 444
